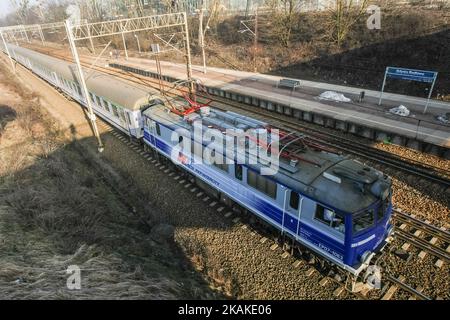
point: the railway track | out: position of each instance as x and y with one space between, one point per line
422 235
325 137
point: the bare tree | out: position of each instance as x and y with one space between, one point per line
92 10
283 18
56 10
22 9
343 16
215 11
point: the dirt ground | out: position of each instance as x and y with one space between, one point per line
54 213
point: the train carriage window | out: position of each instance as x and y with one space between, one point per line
261 183
252 178
122 115
294 201
98 102
115 110
158 129
105 104
238 171
363 221
271 188
223 166
149 124
91 95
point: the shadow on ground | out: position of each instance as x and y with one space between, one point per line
63 210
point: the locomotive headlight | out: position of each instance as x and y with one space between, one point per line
365 256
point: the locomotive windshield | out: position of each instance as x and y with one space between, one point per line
363 221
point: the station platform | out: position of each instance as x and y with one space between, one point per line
419 131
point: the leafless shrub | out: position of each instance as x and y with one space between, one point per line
283 19
343 16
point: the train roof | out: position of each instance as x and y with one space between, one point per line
329 178
114 90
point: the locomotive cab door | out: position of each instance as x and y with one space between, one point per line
292 209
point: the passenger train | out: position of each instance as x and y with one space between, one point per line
334 206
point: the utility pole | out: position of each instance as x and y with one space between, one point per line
156 50
255 57
124 45
91 114
15 39
91 41
41 34
188 56
9 53
247 7
139 45
26 34
201 37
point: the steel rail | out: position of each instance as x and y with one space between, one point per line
423 226
423 245
405 287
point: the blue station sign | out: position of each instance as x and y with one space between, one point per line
411 74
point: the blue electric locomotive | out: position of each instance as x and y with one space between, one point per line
337 207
